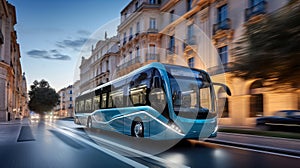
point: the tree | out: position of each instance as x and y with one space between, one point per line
42 97
269 50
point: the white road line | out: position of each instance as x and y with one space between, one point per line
107 151
140 153
255 150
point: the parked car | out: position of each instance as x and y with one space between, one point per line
284 120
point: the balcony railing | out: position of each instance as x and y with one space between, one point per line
152 30
257 9
144 5
189 41
1 37
129 63
151 56
171 50
219 69
222 25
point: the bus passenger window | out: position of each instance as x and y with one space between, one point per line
103 101
138 95
88 104
81 106
96 102
117 98
110 101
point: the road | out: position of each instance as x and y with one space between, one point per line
61 143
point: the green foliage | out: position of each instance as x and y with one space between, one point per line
42 97
269 50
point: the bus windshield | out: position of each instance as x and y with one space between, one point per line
191 93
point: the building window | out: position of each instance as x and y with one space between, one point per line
190 34
130 55
71 99
152 49
130 33
70 91
138 51
256 100
136 5
137 28
189 5
223 103
124 39
223 53
152 1
107 66
152 23
172 44
172 16
253 3
191 62
222 16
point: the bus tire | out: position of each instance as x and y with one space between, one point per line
137 129
89 123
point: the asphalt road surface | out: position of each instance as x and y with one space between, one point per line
64 144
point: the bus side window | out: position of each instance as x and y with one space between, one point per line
139 86
103 100
81 106
96 102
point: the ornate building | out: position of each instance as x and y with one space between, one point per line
100 66
65 108
13 91
201 34
195 33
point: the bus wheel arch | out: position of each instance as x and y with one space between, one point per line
137 128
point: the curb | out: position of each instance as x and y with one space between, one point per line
256 147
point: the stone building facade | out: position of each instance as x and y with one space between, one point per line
199 34
13 91
65 108
100 66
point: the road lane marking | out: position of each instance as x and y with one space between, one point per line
105 150
137 152
254 150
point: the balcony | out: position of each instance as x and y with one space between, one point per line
152 30
171 50
189 41
220 69
1 37
129 63
152 57
145 5
255 10
222 25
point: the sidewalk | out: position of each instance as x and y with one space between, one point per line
270 144
10 130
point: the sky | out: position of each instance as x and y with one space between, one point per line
52 33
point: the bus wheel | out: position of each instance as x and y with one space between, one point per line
137 129
89 123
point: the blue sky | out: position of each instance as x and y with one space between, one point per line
51 34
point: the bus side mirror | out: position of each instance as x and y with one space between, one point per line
157 82
226 88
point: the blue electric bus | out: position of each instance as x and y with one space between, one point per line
158 101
